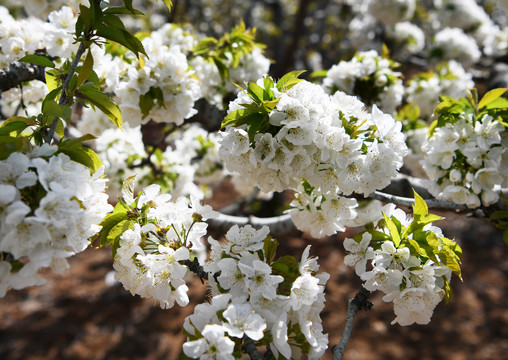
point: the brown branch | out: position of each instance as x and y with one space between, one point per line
250 347
360 301
18 73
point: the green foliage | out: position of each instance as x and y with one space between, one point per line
153 97
409 115
419 238
227 51
77 152
500 219
450 110
105 103
287 267
256 115
38 60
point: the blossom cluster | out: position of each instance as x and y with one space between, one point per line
330 141
20 37
161 234
392 257
49 208
465 157
369 76
162 89
275 303
189 166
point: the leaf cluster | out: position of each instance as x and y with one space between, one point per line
450 110
227 51
422 242
256 115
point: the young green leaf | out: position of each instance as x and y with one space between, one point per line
84 156
491 96
108 223
420 206
270 248
89 92
394 231
122 37
38 60
128 189
86 69
14 125
289 80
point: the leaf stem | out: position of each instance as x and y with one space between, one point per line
64 99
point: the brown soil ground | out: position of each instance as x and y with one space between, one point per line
77 316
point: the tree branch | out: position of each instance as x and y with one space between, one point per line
278 224
360 301
250 347
18 73
405 201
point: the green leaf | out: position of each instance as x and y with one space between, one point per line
394 231
69 143
319 74
86 69
84 156
147 101
89 92
432 127
113 20
289 80
121 10
500 214
16 125
84 22
256 92
128 189
8 144
27 121
169 4
269 105
234 116
38 60
499 103
287 267
108 223
255 121
420 206
270 248
60 128
448 257
491 96
53 109
122 37
52 80
268 84
223 69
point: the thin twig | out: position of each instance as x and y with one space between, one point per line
64 99
405 201
278 224
360 301
250 346
147 160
